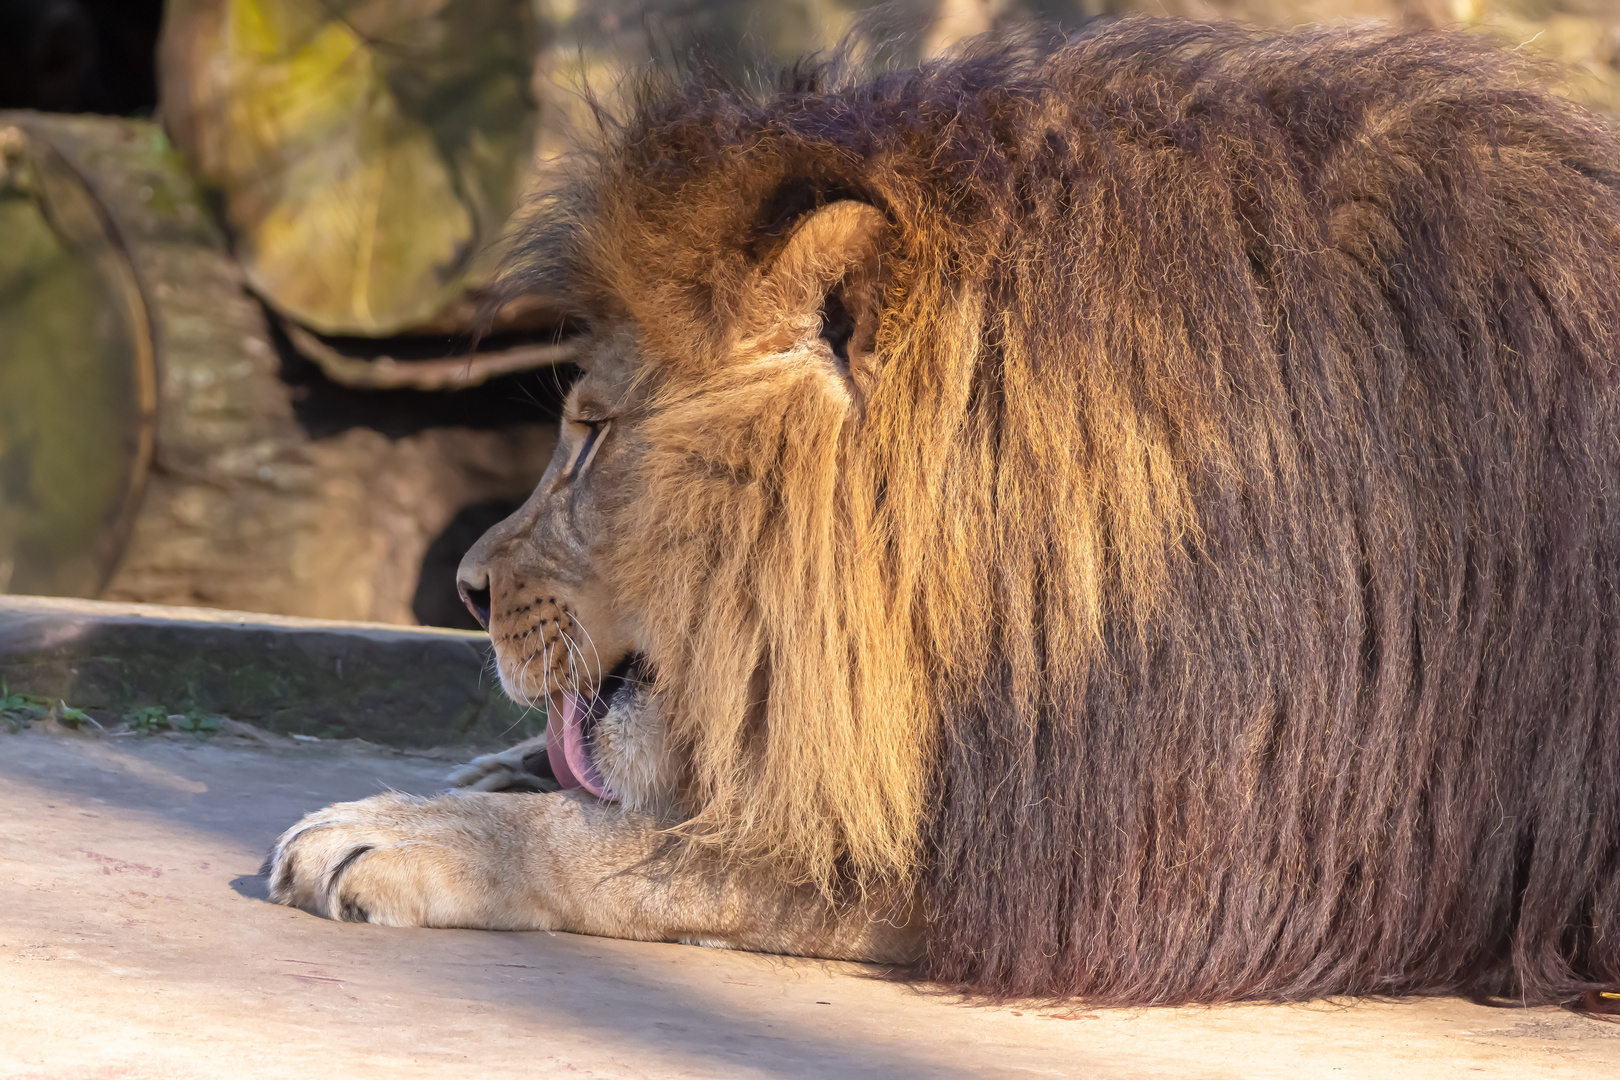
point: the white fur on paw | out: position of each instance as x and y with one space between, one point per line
504 771
401 860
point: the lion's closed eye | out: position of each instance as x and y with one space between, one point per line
596 432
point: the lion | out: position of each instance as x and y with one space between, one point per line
1134 518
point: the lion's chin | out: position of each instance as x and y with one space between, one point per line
571 724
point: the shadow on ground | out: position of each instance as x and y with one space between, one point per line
99 818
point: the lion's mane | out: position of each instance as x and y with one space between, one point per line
1218 595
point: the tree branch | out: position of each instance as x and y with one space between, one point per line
454 373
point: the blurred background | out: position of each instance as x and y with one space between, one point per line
242 244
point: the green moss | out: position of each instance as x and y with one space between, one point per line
69 422
413 690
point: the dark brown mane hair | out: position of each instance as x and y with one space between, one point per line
1244 468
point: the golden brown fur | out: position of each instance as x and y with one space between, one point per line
1139 519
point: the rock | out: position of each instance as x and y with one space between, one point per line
365 154
234 475
78 382
397 686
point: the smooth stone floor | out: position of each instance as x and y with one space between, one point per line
134 945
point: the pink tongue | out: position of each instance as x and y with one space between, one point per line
565 746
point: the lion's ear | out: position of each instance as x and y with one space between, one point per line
830 266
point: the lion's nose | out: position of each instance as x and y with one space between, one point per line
473 577
477 601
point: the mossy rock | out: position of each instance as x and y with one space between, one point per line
399 686
364 155
77 385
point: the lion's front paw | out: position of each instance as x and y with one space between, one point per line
401 860
523 767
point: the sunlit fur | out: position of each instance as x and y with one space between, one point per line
1215 594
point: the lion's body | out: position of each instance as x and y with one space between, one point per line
1199 580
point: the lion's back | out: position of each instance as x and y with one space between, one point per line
1330 325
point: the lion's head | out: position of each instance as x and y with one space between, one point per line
702 537
1159 494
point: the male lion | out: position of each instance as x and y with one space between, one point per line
1138 519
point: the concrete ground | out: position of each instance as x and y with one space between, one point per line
134 944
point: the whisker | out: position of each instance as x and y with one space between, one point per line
576 663
573 668
518 693
522 681
592 641
546 665
522 678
